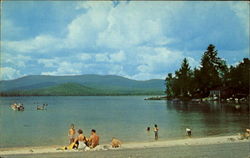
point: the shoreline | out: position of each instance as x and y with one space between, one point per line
127 146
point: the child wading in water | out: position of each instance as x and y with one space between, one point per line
156 129
72 133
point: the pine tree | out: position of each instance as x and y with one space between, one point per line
212 71
184 78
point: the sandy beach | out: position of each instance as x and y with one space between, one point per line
231 146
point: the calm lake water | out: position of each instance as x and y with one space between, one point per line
124 117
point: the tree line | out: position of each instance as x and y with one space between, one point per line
212 74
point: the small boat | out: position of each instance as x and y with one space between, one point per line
17 107
43 107
13 107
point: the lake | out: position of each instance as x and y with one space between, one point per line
124 117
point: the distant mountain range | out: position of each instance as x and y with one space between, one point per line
82 85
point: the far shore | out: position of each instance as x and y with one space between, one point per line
234 139
200 100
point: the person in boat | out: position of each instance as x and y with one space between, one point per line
116 143
93 141
71 133
156 129
80 140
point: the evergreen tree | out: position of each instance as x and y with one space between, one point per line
169 86
212 71
184 78
237 79
212 74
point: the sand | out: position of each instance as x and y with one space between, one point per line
127 149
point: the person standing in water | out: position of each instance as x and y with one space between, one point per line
148 129
189 132
72 133
156 129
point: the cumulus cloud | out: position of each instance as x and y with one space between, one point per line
131 24
116 70
41 43
118 57
8 73
146 76
157 59
49 62
66 68
84 56
242 11
17 61
102 57
140 40
83 31
110 57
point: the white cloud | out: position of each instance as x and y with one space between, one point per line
116 70
66 68
131 24
156 59
242 11
192 62
146 76
83 31
132 39
84 56
111 58
8 73
41 43
103 25
19 61
102 57
118 57
49 62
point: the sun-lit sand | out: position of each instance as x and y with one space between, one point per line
127 146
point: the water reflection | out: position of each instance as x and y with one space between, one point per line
211 118
207 107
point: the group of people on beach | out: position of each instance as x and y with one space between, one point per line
80 141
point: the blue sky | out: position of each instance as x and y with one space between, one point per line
138 40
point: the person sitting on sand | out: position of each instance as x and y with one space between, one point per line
93 141
189 132
115 143
247 134
248 130
80 140
156 129
72 133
